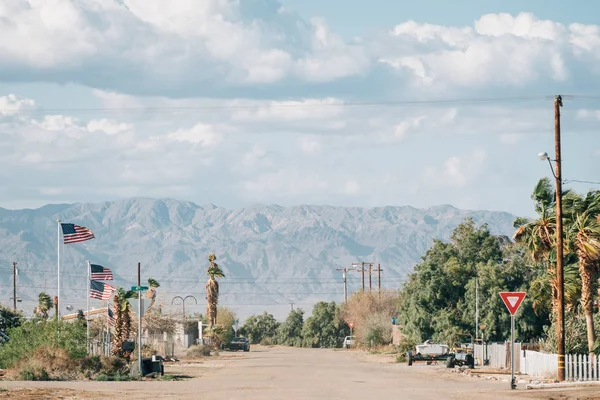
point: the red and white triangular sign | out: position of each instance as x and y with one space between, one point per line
513 300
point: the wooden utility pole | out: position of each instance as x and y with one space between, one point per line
344 271
362 269
379 279
559 244
14 286
370 274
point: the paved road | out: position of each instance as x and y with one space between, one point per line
293 374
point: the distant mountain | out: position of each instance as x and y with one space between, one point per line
272 256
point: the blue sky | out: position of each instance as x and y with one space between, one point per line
295 102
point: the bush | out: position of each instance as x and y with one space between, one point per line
199 351
46 363
34 374
35 334
268 341
372 316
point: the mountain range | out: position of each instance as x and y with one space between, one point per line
274 258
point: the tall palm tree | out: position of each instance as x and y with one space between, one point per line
151 293
122 312
539 236
212 289
583 237
44 305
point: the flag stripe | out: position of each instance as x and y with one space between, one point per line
74 233
101 273
100 290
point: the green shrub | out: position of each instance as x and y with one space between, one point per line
34 374
34 334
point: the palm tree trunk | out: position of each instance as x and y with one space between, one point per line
587 302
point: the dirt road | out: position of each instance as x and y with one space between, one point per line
288 373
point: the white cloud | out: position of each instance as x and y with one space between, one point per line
12 104
282 184
499 49
310 144
456 171
351 187
110 127
200 134
310 109
510 138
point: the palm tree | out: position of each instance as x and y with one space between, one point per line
539 236
212 290
122 311
44 305
151 293
583 237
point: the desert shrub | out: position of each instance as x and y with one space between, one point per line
34 374
46 363
267 341
575 334
372 316
34 334
199 351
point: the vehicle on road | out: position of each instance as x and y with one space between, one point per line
238 343
348 342
433 352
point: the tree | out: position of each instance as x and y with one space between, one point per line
325 327
9 318
151 293
260 327
290 332
122 311
539 236
438 299
44 305
583 236
212 289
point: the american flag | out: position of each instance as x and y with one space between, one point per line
100 273
74 233
100 290
110 316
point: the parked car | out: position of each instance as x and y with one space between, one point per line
348 342
238 343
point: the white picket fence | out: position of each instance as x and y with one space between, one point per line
578 367
582 367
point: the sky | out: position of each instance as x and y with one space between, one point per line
350 103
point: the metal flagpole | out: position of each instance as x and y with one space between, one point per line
58 267
89 278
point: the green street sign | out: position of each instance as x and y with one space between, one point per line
139 288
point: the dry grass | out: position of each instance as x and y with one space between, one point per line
46 363
54 364
372 317
198 351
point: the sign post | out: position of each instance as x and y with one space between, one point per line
513 301
351 325
139 288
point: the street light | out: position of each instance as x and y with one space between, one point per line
183 302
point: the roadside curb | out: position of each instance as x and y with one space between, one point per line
562 385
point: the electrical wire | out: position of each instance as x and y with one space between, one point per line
233 107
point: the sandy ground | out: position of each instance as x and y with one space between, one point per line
289 373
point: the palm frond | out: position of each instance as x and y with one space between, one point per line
153 283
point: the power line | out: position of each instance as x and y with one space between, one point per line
578 181
297 104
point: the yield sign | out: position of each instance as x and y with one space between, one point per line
350 324
513 300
